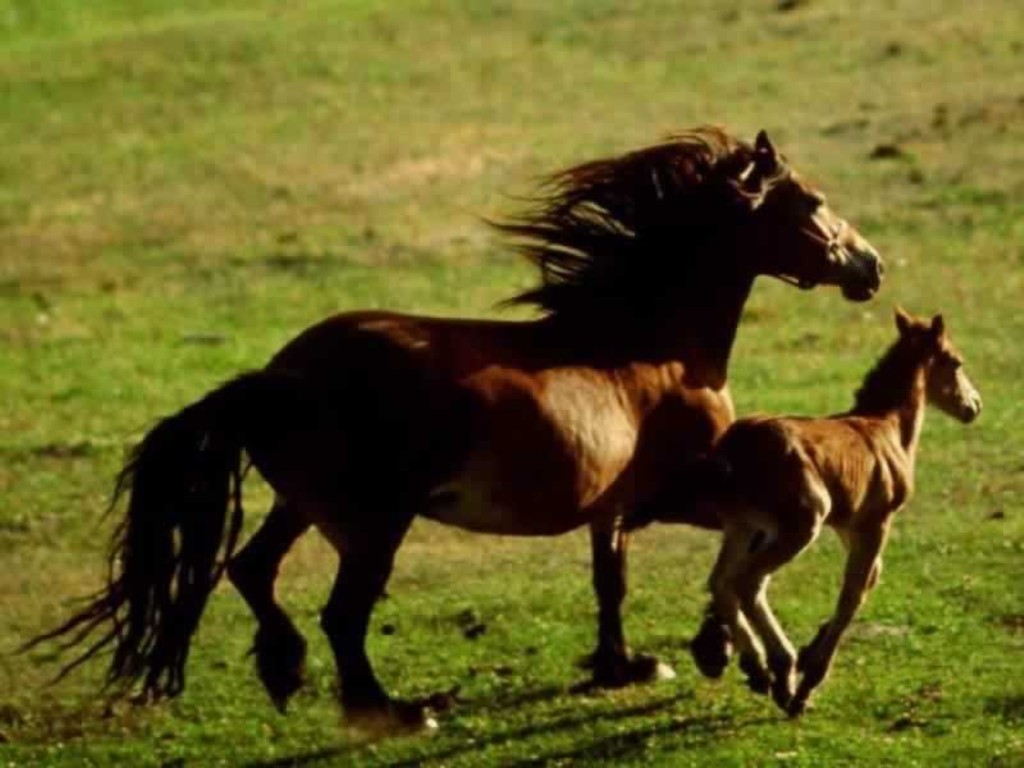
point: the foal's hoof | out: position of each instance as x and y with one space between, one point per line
711 648
758 679
394 718
619 671
782 693
281 664
796 707
783 671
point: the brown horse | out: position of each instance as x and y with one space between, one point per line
781 479
368 419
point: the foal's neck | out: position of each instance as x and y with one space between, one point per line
895 390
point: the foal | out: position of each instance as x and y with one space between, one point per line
785 477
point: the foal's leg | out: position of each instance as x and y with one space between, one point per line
726 604
752 589
367 557
863 566
280 649
611 662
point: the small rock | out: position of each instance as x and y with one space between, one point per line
886 152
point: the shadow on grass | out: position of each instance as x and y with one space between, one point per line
610 746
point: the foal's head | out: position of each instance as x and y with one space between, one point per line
946 383
803 241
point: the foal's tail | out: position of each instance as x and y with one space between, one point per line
183 483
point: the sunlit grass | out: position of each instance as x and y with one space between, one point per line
185 186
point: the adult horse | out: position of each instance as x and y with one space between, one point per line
368 419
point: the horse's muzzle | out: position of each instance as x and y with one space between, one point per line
864 277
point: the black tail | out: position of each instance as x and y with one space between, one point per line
184 486
688 496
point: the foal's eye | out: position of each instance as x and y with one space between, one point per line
951 362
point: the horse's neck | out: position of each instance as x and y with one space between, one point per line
696 330
701 331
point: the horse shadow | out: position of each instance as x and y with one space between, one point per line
615 746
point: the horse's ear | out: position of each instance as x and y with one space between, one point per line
902 321
938 325
765 155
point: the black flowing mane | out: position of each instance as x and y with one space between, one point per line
625 232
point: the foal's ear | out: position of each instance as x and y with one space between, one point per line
938 326
903 321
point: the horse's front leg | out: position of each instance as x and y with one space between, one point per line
612 664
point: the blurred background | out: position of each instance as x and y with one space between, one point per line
184 186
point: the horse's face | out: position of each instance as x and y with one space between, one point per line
947 385
798 237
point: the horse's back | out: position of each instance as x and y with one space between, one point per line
853 459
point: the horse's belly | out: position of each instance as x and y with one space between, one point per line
547 462
473 507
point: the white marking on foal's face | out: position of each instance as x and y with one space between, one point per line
951 391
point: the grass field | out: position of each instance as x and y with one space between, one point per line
184 186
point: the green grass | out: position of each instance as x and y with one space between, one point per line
184 186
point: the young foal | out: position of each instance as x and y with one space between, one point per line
786 477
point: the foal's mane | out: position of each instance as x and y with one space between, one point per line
622 232
890 383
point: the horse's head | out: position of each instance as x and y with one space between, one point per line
795 234
947 384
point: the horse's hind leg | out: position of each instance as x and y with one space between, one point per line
280 649
367 557
611 663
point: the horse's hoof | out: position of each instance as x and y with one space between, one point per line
643 668
281 665
711 649
620 671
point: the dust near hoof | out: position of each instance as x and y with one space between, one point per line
397 718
